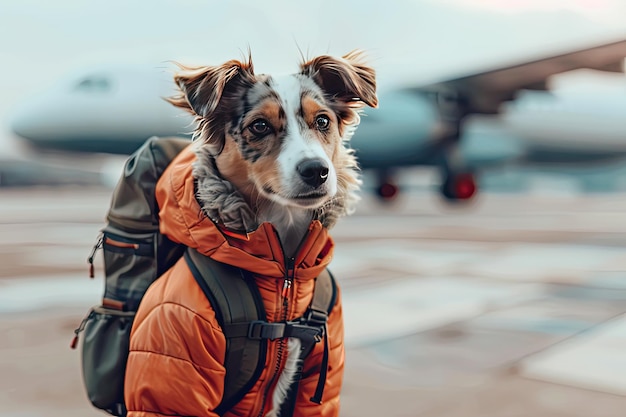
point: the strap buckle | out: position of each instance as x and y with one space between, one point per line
258 330
315 317
263 330
306 333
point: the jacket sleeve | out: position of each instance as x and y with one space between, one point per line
312 366
175 365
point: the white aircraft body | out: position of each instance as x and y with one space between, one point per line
460 125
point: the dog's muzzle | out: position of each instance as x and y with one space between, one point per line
313 172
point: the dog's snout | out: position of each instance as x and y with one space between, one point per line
314 172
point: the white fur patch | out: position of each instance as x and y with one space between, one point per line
286 377
300 144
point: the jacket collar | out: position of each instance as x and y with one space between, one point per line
217 221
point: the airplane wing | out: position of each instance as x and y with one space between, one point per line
484 92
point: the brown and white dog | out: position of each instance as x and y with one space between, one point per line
274 148
281 140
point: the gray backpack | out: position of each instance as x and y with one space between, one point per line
136 254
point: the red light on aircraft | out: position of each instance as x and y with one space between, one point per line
464 186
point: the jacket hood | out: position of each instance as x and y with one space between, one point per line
227 230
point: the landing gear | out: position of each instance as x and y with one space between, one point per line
459 187
459 184
387 191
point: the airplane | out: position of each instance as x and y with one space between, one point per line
460 125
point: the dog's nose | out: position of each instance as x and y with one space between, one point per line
314 172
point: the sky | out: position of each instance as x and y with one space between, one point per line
406 41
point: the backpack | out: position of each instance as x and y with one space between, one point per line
136 254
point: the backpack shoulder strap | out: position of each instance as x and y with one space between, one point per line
245 357
324 298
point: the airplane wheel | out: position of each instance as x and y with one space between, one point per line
388 191
459 187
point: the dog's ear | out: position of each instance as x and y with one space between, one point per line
345 79
202 88
207 92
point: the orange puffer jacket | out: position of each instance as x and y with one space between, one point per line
176 361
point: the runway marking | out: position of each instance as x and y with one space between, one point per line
594 360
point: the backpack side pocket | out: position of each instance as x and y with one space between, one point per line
133 261
130 267
104 354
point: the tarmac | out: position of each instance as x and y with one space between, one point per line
514 306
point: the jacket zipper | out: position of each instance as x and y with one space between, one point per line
290 271
287 284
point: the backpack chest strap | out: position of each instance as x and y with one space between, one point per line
258 329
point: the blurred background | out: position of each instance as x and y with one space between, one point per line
484 271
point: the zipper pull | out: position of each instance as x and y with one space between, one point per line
286 288
289 275
92 255
79 329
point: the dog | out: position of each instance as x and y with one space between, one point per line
269 150
281 140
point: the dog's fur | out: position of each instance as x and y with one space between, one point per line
274 149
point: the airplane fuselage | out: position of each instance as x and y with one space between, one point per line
115 110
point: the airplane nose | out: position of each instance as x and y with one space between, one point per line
23 122
18 122
37 120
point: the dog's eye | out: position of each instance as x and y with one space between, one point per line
260 127
322 123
